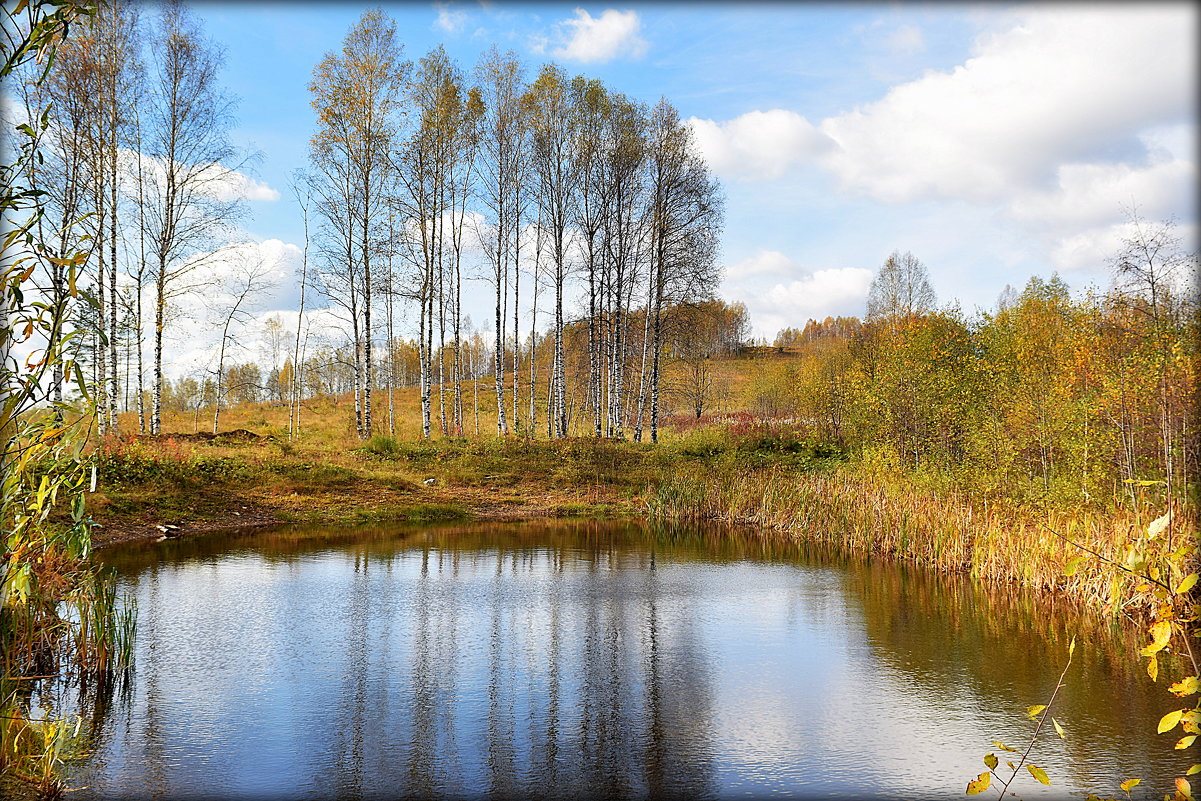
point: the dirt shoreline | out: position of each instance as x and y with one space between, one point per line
472 504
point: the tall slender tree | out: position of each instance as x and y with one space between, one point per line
590 103
301 190
189 158
236 294
550 119
357 94
502 145
686 215
432 164
623 228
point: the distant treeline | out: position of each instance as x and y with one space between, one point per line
1047 396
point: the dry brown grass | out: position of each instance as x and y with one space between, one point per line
860 511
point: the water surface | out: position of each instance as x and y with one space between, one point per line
590 660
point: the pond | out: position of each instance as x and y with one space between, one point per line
585 659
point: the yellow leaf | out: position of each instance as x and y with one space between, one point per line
1072 566
1153 668
1039 774
1004 747
1185 742
991 761
1159 526
1194 769
1130 784
979 784
1034 710
1058 729
1184 788
1169 721
1186 686
1072 647
1161 632
1186 584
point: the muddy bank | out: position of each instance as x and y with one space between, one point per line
150 527
432 503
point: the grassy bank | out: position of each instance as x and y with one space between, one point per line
862 511
199 484
256 475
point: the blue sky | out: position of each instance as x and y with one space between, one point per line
995 142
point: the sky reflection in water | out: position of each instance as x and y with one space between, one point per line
591 660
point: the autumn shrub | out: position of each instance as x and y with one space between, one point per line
315 473
220 468
129 462
381 445
704 443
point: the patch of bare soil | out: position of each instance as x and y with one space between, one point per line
223 437
234 515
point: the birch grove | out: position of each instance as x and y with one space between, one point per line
588 215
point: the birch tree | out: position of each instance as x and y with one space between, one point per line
686 216
503 158
189 203
622 234
300 191
548 108
357 95
117 34
590 106
64 176
238 290
901 287
427 163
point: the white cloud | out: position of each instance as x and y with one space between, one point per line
1081 219
194 334
821 293
759 145
226 184
1091 194
449 20
592 40
765 262
281 257
216 180
1092 248
1057 85
1062 117
814 294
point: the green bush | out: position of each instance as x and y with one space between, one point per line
381 445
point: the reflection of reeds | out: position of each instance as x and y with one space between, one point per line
106 628
864 513
74 634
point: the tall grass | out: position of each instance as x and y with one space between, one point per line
865 513
65 651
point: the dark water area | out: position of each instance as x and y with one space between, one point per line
596 660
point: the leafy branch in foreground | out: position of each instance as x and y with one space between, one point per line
1166 582
1165 589
1043 713
61 623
